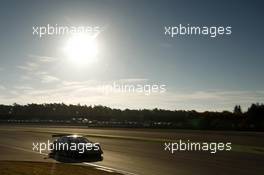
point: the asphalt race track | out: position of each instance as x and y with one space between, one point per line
141 151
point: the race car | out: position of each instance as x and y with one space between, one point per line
75 147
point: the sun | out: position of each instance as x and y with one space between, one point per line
81 48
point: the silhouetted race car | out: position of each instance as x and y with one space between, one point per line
75 147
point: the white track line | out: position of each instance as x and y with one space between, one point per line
109 168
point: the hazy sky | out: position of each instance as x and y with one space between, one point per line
199 72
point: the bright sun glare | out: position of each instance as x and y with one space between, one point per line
81 48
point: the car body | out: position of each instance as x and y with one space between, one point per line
76 147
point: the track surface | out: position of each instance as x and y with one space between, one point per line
143 150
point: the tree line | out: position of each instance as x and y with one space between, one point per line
252 119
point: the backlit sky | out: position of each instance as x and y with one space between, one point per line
199 72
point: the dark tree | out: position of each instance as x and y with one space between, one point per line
237 109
